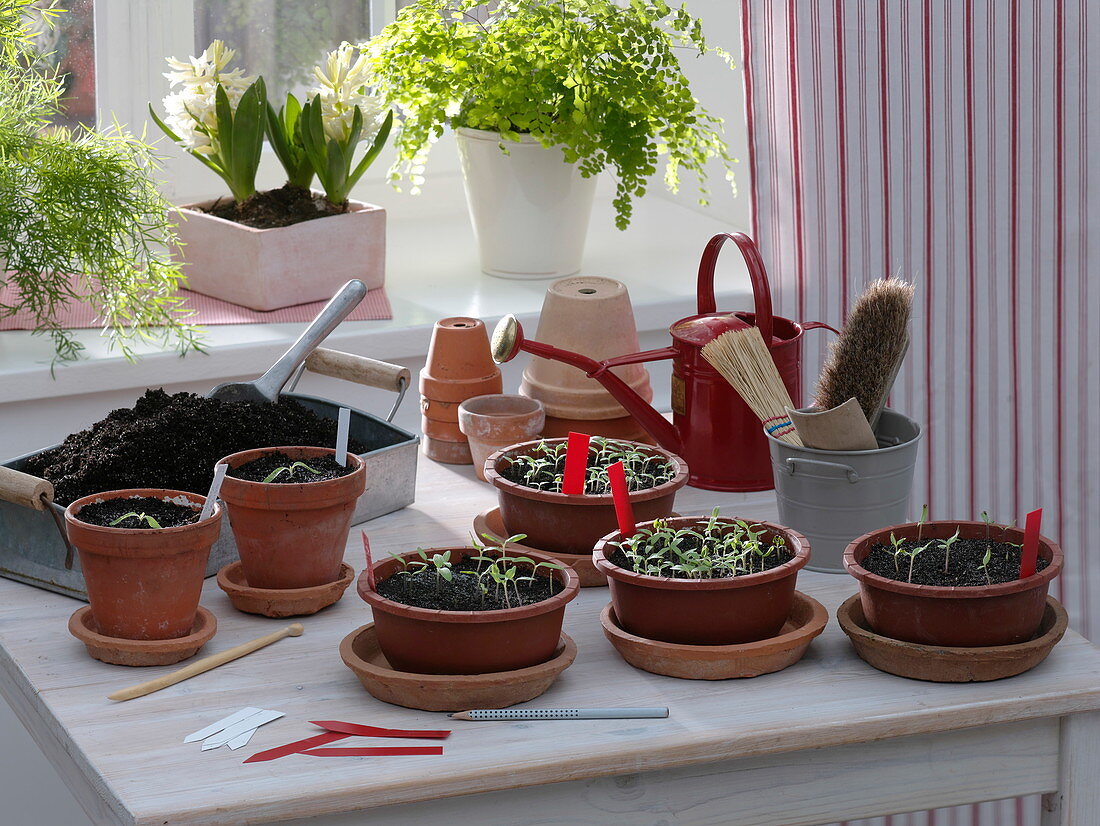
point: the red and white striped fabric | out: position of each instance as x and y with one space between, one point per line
948 142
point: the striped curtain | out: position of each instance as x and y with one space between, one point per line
948 141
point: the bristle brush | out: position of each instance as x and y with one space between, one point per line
864 362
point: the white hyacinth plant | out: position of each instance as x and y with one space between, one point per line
218 115
341 112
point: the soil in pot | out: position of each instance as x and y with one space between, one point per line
962 563
544 468
468 585
279 468
273 208
141 512
173 441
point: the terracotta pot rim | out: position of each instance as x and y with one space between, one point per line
796 541
130 493
871 580
566 575
493 477
469 406
258 452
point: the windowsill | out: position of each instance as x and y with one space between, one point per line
431 272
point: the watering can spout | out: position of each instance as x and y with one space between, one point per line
508 340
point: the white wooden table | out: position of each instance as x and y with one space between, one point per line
827 739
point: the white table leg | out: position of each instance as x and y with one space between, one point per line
1077 801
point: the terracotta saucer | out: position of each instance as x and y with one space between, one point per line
722 662
443 692
951 665
489 522
118 651
282 602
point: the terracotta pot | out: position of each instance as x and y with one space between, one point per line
1002 614
573 523
143 584
493 422
625 428
291 535
266 269
459 366
427 641
705 611
591 316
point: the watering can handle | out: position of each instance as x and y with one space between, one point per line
762 294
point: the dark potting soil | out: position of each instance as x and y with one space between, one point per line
963 566
425 589
692 543
549 477
317 469
273 208
173 441
165 514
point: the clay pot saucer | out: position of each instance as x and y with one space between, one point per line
442 692
282 602
722 662
941 664
118 651
489 522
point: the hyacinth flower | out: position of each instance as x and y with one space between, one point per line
218 115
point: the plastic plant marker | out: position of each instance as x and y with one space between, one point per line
222 724
1029 557
342 425
241 740
296 746
576 463
375 751
215 487
370 562
374 731
616 474
237 729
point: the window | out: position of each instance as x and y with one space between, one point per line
67 46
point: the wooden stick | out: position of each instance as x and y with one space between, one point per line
206 663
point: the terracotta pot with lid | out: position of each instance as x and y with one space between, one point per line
143 583
459 366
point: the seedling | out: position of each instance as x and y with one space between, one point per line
898 550
713 549
985 563
544 468
947 543
913 554
922 520
141 517
289 470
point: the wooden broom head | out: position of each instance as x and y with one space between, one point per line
743 359
864 361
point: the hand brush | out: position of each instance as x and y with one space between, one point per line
865 360
743 359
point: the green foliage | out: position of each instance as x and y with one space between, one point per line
141 517
236 143
81 218
332 159
284 132
544 468
714 549
601 80
289 470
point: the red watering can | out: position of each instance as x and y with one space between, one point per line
712 428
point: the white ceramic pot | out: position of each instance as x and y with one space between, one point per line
266 269
529 207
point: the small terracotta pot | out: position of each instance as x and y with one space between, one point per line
964 616
428 641
494 422
573 523
592 316
725 611
145 583
459 366
291 535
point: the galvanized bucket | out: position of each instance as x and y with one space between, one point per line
833 496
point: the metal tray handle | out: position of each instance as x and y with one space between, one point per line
361 370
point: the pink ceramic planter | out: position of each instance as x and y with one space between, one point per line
267 269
